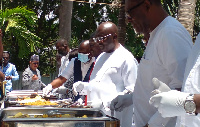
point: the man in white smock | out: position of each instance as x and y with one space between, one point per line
175 103
164 58
114 73
80 68
63 50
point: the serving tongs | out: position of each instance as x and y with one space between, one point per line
58 112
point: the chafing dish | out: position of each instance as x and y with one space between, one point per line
14 97
23 93
95 118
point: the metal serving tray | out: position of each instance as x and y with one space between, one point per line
95 118
23 93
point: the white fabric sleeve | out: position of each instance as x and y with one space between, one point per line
26 78
69 70
129 73
15 75
170 50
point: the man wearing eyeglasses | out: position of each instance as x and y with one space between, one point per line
9 70
114 73
31 78
164 58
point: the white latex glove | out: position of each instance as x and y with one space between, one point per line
97 104
61 90
47 90
170 103
80 101
120 102
79 86
159 87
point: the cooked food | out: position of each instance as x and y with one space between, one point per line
39 103
84 116
20 115
38 100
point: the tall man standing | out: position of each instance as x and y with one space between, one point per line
164 58
114 73
63 49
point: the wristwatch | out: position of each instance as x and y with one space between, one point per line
189 105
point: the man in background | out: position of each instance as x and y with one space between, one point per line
31 78
63 50
9 70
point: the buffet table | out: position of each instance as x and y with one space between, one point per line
19 112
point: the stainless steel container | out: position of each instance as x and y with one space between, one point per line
15 95
95 118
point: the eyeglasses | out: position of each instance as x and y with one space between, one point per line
134 7
5 57
37 63
101 38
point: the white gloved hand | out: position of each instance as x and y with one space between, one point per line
159 87
120 102
47 90
80 101
62 90
170 103
79 86
97 104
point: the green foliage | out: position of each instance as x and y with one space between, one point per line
134 43
74 43
197 19
45 27
171 6
22 38
84 20
15 22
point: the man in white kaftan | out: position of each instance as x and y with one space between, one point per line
114 73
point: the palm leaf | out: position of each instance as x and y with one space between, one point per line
15 23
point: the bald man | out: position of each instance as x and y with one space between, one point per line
114 73
78 67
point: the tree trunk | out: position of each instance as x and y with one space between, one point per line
186 14
121 23
65 15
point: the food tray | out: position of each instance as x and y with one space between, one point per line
95 118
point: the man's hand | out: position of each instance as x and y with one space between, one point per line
79 86
120 102
35 77
170 103
47 90
8 77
